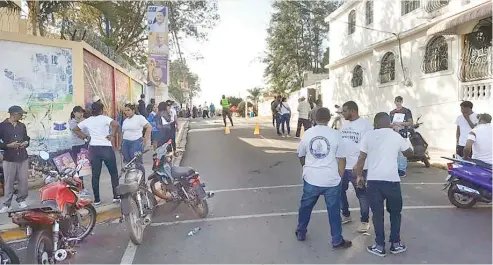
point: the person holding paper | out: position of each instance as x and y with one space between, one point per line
401 119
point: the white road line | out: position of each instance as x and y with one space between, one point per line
129 254
300 185
254 216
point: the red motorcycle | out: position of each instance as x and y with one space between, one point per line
54 226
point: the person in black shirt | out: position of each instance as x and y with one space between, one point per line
142 106
401 119
13 134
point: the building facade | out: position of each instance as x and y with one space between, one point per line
433 53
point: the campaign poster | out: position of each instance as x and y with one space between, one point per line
157 19
83 157
158 43
64 161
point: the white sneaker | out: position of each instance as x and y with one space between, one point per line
22 204
4 209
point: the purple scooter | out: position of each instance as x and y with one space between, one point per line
468 182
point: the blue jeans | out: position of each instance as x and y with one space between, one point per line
360 194
278 122
97 156
401 164
128 150
332 197
390 193
285 118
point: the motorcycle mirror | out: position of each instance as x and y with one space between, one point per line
44 155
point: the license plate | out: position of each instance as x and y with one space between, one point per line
200 192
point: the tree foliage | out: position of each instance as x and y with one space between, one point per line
234 101
181 90
254 94
296 33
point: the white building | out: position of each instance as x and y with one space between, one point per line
432 53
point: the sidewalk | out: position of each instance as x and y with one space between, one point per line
105 189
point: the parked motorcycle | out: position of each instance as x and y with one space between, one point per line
7 254
178 184
420 146
54 226
137 202
467 182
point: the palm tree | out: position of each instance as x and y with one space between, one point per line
255 94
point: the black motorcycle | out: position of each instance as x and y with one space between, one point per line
178 184
420 146
7 254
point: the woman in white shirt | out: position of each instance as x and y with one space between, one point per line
285 112
132 140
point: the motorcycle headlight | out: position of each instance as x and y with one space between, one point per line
133 175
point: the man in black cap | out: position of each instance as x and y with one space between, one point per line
13 134
142 106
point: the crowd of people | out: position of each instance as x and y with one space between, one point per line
361 154
92 129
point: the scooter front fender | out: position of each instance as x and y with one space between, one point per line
126 205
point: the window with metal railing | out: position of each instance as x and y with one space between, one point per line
351 22
357 79
476 63
387 68
436 56
433 5
407 6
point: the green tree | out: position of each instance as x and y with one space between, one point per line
294 43
181 90
255 94
234 101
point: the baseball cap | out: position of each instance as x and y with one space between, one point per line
96 98
16 109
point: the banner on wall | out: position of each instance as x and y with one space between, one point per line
158 56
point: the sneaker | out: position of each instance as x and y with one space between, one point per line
346 219
84 192
377 250
22 204
4 209
363 227
403 176
397 248
300 236
344 244
96 203
116 200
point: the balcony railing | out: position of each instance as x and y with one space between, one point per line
434 5
477 90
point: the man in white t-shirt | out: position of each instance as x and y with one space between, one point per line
465 122
100 147
323 166
352 131
379 148
479 141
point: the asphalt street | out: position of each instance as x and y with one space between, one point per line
253 214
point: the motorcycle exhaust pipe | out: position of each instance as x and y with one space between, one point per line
470 192
147 219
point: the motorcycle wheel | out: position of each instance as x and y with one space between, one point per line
90 226
40 247
151 200
201 209
426 162
158 191
7 254
135 229
460 200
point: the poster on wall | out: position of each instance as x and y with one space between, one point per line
83 158
38 78
64 161
158 64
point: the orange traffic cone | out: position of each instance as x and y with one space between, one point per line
226 130
257 129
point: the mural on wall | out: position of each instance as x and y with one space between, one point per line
136 91
98 81
39 79
122 92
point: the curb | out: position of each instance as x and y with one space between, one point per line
11 232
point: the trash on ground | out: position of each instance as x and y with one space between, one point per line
193 231
366 234
177 216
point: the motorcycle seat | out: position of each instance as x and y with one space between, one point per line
178 172
125 188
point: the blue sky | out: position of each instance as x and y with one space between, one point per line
229 66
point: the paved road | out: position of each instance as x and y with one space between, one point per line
254 213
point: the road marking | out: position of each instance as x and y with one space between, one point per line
129 254
300 185
254 216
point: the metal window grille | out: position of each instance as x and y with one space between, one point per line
351 22
357 79
369 12
436 56
433 5
387 68
477 53
409 5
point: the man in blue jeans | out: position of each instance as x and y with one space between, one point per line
379 147
322 169
351 132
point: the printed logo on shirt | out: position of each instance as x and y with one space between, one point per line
348 133
319 147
